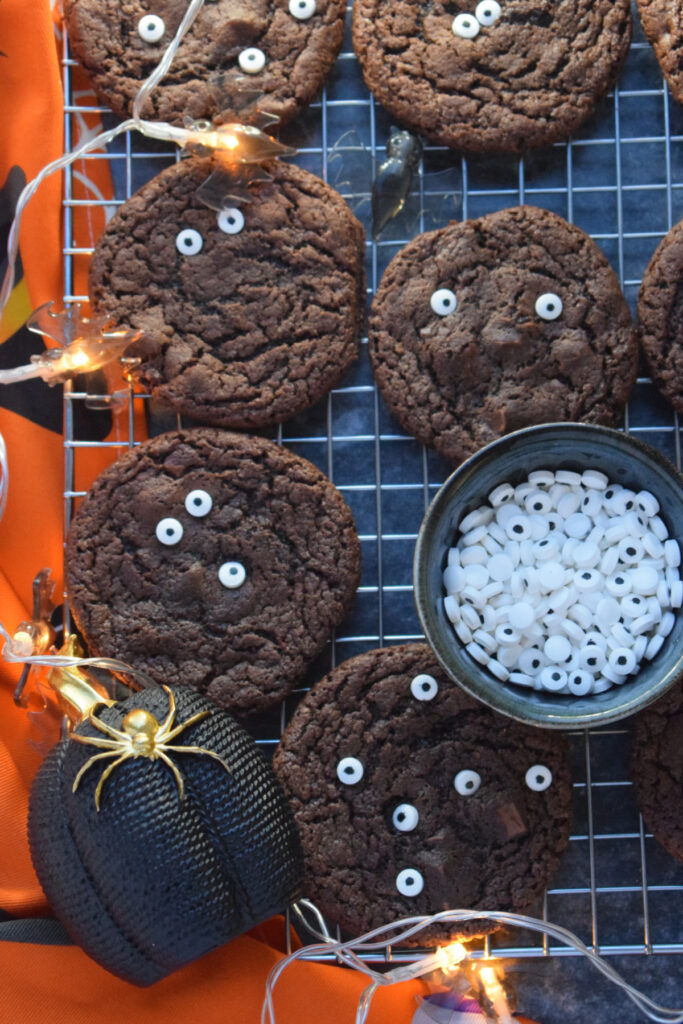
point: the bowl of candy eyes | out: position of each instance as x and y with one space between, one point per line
547 575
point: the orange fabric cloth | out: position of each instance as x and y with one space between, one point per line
226 987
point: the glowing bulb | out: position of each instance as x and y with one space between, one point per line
496 993
22 644
78 359
450 956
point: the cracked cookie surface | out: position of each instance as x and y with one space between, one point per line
214 560
299 53
460 379
495 847
660 316
657 769
260 322
663 24
528 79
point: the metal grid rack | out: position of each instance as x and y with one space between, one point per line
621 180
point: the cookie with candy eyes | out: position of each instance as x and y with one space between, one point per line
490 325
284 48
494 75
660 316
664 28
411 798
213 560
250 315
657 770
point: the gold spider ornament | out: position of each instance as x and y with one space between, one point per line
141 735
160 867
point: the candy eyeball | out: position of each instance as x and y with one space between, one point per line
548 306
198 503
424 687
467 782
151 28
349 771
232 575
252 60
302 9
189 242
231 221
466 26
405 818
538 778
410 882
169 531
443 302
488 12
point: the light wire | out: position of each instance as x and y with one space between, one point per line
407 928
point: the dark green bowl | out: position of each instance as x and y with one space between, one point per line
552 446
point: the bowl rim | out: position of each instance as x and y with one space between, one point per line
492 693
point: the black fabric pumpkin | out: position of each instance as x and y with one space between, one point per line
150 882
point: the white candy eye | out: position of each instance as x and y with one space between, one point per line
538 778
466 26
252 60
189 242
443 302
169 531
405 818
302 9
409 882
232 575
349 771
548 306
198 503
488 12
151 28
467 782
424 687
231 221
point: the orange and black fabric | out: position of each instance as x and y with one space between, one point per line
43 977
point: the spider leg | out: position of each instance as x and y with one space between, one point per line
105 775
115 734
88 764
198 750
178 777
162 737
95 741
168 721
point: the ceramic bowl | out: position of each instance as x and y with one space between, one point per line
625 460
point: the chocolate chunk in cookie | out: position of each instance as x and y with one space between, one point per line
252 313
657 770
213 560
285 49
660 316
412 798
491 76
490 325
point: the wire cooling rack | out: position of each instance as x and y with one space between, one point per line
621 180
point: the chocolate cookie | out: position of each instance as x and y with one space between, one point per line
214 560
490 325
660 316
664 28
284 49
491 76
657 770
253 314
411 798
